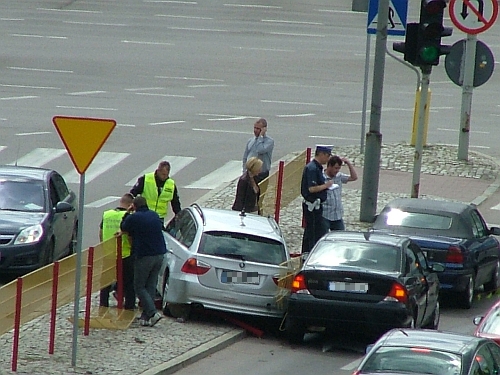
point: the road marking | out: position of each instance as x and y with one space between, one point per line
329 137
293 22
228 172
253 6
33 133
2 148
213 85
454 130
191 78
20 97
167 122
40 70
352 365
298 115
85 92
264 49
187 17
497 207
218 131
297 34
102 162
89 108
31 87
39 157
339 123
39 36
195 29
102 202
176 164
69 10
172 2
165 95
148 43
294 103
95 23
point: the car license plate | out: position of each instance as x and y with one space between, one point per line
335 286
239 277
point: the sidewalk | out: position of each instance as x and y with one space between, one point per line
171 345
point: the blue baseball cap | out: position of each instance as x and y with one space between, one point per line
327 149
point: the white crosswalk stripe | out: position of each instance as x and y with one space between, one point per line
102 162
102 202
39 157
2 148
176 162
224 174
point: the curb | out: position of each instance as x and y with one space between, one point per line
196 354
494 186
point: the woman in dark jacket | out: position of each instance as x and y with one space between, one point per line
248 191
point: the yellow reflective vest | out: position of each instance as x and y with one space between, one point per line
158 203
111 220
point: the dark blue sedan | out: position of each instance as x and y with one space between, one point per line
38 219
453 234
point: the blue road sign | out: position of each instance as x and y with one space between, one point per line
396 20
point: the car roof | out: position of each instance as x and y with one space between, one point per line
214 219
436 340
369 236
428 205
26 173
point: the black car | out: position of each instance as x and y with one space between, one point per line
363 281
453 234
38 219
414 351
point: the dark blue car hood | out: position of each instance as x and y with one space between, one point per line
14 221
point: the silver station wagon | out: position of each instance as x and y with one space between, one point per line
223 260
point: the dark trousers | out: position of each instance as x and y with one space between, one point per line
335 224
261 176
314 229
128 286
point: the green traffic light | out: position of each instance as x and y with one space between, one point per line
429 54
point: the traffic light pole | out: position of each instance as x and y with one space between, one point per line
419 142
468 65
371 170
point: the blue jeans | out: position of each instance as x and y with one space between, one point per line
335 224
146 270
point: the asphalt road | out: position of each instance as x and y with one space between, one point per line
185 80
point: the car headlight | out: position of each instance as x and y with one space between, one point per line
29 235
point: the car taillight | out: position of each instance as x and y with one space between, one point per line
299 284
397 293
454 255
195 267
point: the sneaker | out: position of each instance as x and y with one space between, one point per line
144 322
154 319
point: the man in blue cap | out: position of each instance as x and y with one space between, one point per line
313 189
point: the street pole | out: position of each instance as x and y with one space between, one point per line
419 142
467 87
365 91
371 168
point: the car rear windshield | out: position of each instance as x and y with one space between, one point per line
412 360
356 254
396 217
21 196
243 246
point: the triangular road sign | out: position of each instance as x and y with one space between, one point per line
83 137
396 20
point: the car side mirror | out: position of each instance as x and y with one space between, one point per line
495 231
64 207
477 319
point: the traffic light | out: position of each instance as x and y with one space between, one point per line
430 31
409 46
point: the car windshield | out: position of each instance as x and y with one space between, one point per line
396 217
412 360
374 256
243 246
21 196
492 324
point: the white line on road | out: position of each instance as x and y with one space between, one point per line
198 86
187 17
224 174
264 49
339 123
33 133
456 145
102 202
228 118
89 108
31 87
297 34
329 137
171 2
497 207
253 6
454 130
166 95
167 122
85 92
20 97
351 366
191 78
293 22
176 164
218 131
69 10
102 162
149 43
146 88
39 157
40 70
298 115
195 29
294 103
95 23
126 125
39 36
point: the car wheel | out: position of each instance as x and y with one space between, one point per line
434 320
165 309
48 253
295 330
494 282
467 296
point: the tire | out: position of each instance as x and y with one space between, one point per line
467 296
295 330
48 254
434 320
494 282
74 238
165 309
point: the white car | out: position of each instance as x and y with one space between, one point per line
222 260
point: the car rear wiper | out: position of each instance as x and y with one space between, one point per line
231 255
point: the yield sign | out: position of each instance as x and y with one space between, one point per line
83 137
473 16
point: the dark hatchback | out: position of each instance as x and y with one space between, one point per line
38 219
414 351
453 234
363 281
